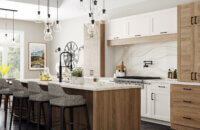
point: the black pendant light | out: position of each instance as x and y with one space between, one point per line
57 23
38 14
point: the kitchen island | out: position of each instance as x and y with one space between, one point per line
111 106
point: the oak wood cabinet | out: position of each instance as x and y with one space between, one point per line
185 107
189 42
94 51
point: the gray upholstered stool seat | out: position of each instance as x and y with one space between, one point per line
6 91
71 100
40 97
65 101
21 94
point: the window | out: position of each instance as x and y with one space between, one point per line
12 54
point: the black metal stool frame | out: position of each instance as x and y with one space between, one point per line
20 99
62 118
39 108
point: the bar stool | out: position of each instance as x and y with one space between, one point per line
41 98
64 102
20 95
5 90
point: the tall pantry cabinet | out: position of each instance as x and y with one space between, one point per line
189 42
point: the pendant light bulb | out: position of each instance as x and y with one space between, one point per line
95 4
38 17
81 3
91 28
104 16
57 27
48 35
38 20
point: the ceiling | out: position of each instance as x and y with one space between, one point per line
53 3
27 9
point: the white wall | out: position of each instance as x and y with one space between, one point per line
71 30
32 33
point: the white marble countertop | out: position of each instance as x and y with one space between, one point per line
102 85
171 81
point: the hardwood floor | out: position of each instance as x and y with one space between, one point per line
144 125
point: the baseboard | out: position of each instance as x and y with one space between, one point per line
155 121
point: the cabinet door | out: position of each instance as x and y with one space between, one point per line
164 22
118 29
140 26
161 102
197 41
145 104
185 42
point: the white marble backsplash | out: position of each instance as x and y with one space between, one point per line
163 55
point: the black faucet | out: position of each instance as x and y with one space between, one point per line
147 63
60 66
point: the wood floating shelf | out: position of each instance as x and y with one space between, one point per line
145 39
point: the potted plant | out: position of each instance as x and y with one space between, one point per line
77 76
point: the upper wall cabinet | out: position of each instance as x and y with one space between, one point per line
155 23
139 26
118 29
164 22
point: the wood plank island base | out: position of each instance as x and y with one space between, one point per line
111 107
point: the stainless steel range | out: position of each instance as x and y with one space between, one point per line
136 80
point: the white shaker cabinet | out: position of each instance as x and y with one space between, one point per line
140 26
155 101
118 29
164 22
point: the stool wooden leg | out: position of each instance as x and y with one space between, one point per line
49 125
0 99
62 118
28 114
87 117
71 118
38 115
33 108
45 123
6 110
11 118
20 112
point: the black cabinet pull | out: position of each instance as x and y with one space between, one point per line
195 76
163 32
137 35
152 96
195 19
192 75
161 86
188 118
188 89
192 20
187 101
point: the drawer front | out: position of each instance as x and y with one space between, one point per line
185 96
180 127
161 87
185 117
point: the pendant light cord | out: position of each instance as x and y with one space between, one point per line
38 5
13 26
103 4
57 9
6 25
48 15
